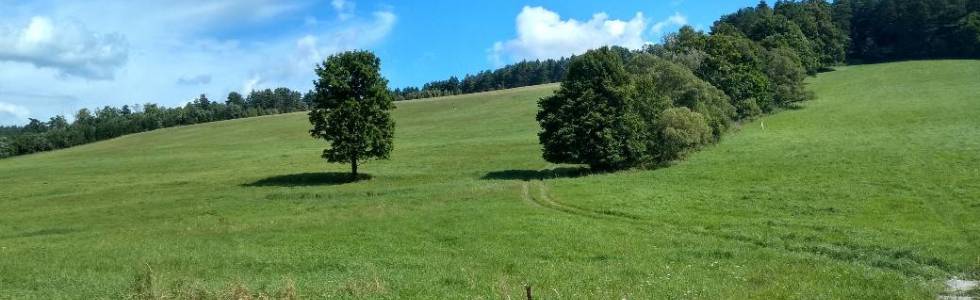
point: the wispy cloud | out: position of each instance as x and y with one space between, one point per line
676 20
344 9
195 80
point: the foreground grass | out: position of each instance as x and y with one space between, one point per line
870 191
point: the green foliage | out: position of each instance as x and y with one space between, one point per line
886 30
685 47
815 19
280 100
234 98
592 118
612 116
31 143
109 122
679 131
969 34
661 85
524 73
351 109
842 14
736 65
786 74
6 149
772 30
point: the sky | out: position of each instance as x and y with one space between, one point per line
58 56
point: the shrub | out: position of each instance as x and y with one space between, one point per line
680 131
786 73
679 87
6 150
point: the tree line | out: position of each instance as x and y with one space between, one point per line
618 109
886 30
109 122
524 73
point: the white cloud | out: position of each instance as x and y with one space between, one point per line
542 34
11 113
68 47
676 20
176 49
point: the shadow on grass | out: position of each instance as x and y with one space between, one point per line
309 179
526 175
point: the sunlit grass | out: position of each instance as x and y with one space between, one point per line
870 191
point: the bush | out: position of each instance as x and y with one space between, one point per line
31 143
680 131
6 150
786 73
679 87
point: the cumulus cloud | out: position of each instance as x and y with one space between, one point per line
68 47
542 34
676 20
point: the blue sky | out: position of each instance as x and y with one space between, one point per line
57 56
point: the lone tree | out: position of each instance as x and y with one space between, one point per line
350 109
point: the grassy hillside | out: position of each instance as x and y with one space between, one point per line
871 190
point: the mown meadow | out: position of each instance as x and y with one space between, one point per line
871 190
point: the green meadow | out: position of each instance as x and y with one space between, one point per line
871 190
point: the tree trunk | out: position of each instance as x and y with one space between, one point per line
353 168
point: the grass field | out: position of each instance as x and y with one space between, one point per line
870 191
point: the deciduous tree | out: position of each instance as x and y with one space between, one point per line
351 109
592 118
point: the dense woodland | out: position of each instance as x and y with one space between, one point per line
757 57
887 30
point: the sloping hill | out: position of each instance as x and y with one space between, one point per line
871 190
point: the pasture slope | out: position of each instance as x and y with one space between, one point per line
870 191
